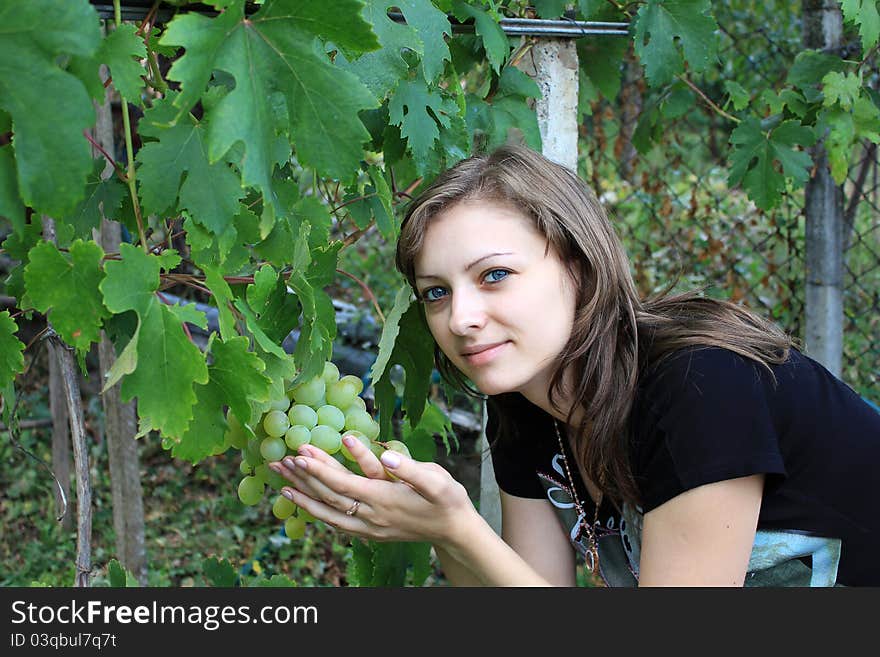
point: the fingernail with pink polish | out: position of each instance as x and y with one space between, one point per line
348 441
391 459
287 493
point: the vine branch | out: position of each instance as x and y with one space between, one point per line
706 99
366 291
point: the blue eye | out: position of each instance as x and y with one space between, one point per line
427 294
495 271
492 276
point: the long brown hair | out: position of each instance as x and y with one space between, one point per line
616 336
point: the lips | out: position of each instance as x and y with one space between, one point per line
480 348
484 354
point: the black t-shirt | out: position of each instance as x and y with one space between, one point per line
707 415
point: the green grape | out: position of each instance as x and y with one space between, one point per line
326 438
305 515
304 415
251 453
297 436
261 472
259 431
357 403
278 404
244 468
377 449
295 527
250 490
283 508
331 416
273 449
359 420
276 423
361 437
275 481
341 394
398 446
236 436
355 381
310 393
331 372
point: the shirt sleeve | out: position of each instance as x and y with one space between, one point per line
512 459
705 416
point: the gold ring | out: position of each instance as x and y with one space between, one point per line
353 509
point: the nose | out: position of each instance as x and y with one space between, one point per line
468 312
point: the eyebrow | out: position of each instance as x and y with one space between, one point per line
474 263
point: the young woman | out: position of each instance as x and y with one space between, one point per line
672 441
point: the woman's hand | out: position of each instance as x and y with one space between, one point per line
424 504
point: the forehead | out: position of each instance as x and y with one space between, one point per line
468 230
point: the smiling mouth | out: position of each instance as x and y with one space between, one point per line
486 355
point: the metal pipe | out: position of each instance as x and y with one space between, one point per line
513 26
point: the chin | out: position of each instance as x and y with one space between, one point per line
495 385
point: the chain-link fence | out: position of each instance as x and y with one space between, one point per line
680 219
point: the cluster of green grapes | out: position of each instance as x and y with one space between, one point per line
317 412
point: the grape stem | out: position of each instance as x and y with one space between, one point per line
120 172
129 150
366 291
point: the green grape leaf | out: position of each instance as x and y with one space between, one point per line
168 363
276 581
550 8
431 25
510 111
264 341
841 89
390 561
235 379
810 66
222 294
209 191
360 568
494 40
381 204
317 330
103 200
218 572
11 351
414 351
663 25
52 156
418 555
274 308
390 330
120 577
756 154
273 59
380 71
117 51
420 439
68 287
417 110
866 15
602 60
738 95
847 129
11 207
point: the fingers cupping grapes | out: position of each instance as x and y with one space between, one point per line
317 412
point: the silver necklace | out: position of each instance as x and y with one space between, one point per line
591 558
